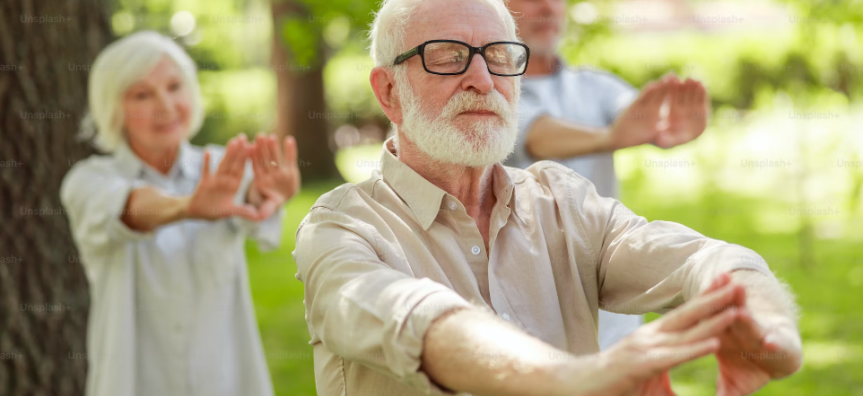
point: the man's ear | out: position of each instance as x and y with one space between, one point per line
383 83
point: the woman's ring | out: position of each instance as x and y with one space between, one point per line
273 164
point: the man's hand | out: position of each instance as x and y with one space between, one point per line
644 122
761 345
691 331
277 176
214 197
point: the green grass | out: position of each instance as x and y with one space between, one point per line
829 289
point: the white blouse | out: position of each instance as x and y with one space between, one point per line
171 311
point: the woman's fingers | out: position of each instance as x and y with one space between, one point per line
263 153
275 152
205 168
247 211
269 207
225 163
290 147
238 162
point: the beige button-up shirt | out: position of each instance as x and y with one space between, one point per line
382 259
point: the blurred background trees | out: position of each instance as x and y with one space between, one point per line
43 291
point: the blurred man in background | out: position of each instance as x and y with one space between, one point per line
580 117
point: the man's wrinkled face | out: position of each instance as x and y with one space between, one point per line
468 119
540 23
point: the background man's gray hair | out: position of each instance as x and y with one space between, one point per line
120 65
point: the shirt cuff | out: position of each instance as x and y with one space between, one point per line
724 259
409 342
116 208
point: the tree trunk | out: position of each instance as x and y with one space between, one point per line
301 105
46 47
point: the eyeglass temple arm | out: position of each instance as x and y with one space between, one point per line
407 55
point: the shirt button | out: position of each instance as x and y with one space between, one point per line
452 206
475 250
505 317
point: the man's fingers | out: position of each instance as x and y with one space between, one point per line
711 327
666 358
718 282
699 308
747 332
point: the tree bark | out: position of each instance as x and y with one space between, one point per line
46 49
301 106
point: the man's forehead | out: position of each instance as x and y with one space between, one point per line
473 21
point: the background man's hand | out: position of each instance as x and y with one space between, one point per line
686 111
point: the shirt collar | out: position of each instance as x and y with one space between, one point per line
188 162
424 198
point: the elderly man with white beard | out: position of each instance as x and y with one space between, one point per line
448 273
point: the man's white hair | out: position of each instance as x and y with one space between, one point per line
390 26
120 65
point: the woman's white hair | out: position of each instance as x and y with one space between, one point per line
390 26
120 65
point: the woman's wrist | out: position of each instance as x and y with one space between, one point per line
182 208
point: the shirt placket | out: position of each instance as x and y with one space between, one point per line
182 301
500 216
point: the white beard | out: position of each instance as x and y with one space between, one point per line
480 144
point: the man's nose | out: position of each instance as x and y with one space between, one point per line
477 77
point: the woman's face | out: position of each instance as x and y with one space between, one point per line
157 109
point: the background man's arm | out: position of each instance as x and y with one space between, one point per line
641 122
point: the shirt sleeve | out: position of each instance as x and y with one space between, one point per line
530 109
359 307
94 198
614 94
643 266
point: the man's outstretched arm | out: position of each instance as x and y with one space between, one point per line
473 351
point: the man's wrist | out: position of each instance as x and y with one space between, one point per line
605 141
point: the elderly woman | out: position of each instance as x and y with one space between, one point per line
160 225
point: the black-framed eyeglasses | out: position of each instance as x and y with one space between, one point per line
451 57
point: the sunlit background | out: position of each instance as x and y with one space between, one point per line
780 168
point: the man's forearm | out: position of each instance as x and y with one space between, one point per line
766 297
148 208
476 352
552 137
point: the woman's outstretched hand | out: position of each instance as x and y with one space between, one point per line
213 199
277 175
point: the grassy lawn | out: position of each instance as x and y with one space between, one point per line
829 289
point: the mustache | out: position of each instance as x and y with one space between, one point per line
472 101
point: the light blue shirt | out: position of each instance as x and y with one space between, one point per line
171 311
585 97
